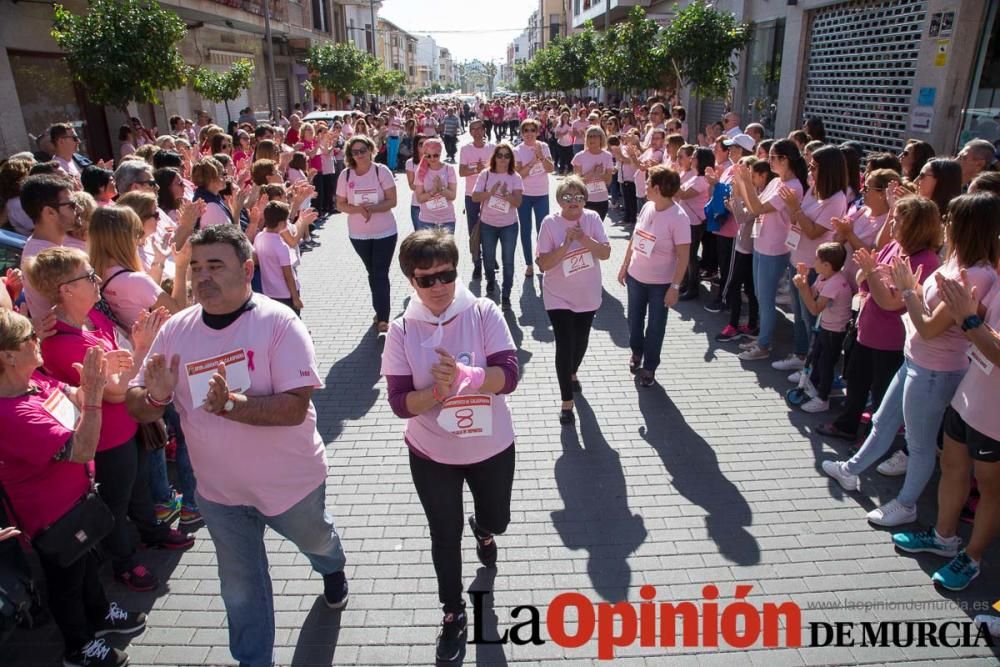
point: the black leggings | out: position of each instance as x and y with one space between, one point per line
691 282
724 252
439 487
870 370
741 278
572 334
631 203
76 599
598 207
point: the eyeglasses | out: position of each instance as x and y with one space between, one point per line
872 188
444 277
529 130
432 155
72 137
76 207
504 156
573 199
31 335
90 275
359 151
151 184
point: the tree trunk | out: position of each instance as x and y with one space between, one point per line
229 116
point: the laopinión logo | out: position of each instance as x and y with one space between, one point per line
737 624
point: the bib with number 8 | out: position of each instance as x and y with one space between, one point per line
467 416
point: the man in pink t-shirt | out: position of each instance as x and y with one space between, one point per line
240 370
47 201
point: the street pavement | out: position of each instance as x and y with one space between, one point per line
708 478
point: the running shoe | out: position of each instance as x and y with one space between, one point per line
728 334
451 637
118 621
893 513
927 541
957 574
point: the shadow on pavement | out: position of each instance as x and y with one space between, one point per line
486 622
350 390
533 311
596 517
318 637
695 473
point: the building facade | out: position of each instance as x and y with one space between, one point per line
427 62
397 49
555 18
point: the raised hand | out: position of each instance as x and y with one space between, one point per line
161 379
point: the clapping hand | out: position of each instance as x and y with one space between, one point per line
190 211
958 296
801 277
93 376
903 275
790 198
864 258
146 326
218 391
160 378
842 228
444 371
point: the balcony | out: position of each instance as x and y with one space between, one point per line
593 10
279 8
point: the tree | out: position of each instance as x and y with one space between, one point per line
122 50
700 44
381 81
224 86
339 68
570 60
625 59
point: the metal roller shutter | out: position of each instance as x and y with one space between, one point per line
281 95
861 65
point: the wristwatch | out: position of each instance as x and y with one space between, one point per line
972 322
228 406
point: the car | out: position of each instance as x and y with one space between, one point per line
326 116
11 246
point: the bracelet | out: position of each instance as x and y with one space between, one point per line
907 293
159 404
437 397
90 408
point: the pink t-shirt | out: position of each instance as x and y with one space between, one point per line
649 155
73 242
730 227
821 212
37 304
882 329
975 398
440 209
498 212
214 214
837 313
470 155
695 206
772 228
654 243
273 254
369 188
597 190
40 489
270 468
564 134
575 283
129 293
946 352
67 347
478 332
537 181
866 228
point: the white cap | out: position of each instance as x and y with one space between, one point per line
744 141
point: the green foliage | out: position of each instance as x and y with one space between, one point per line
223 86
381 81
627 57
339 68
122 50
700 43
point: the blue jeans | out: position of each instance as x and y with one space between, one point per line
646 339
159 485
415 216
805 321
238 535
507 236
376 254
918 398
392 151
471 218
577 148
540 205
767 272
450 226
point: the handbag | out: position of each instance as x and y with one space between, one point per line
76 532
152 436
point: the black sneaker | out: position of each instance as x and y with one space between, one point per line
451 637
486 547
566 417
120 621
715 306
96 653
335 590
505 303
491 287
477 273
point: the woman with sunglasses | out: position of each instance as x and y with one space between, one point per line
596 167
366 192
655 264
571 246
412 164
499 191
65 277
533 162
449 361
46 458
436 188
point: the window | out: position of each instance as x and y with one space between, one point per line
411 70
319 10
763 74
576 7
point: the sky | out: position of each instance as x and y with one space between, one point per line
468 28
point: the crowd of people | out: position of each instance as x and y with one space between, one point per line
158 308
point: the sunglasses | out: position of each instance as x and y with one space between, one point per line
72 137
444 277
151 184
573 199
359 151
432 155
90 275
68 203
528 130
504 156
872 188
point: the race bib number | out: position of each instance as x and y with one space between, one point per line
59 406
365 197
537 168
597 188
467 416
200 372
498 205
980 360
643 242
793 238
437 204
577 261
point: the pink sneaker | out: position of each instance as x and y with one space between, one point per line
728 334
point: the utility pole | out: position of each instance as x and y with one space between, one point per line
371 6
269 56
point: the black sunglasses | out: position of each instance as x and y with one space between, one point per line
444 277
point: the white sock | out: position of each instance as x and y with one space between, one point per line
946 540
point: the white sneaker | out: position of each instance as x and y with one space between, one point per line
836 470
795 377
892 514
748 344
754 353
895 465
992 623
790 363
815 405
